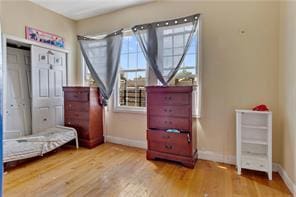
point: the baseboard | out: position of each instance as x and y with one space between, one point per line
207 155
288 181
212 156
128 142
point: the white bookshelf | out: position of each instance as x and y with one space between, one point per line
254 141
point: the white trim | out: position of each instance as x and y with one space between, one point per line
288 181
207 155
29 42
126 109
212 156
128 142
4 70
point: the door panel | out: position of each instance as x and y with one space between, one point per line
58 83
43 58
44 118
18 103
48 79
43 83
59 115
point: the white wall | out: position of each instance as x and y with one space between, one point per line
15 15
287 87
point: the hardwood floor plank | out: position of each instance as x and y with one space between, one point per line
115 170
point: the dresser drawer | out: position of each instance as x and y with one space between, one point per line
77 96
76 115
162 136
183 149
76 106
169 99
177 111
162 122
82 127
254 164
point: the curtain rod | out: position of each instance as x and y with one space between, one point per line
101 35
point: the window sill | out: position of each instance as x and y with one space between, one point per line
139 110
136 110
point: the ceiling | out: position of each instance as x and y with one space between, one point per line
80 9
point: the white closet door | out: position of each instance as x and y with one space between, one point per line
48 79
18 98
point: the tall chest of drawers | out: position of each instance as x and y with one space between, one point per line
171 108
84 112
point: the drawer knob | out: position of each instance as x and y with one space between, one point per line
44 119
261 165
165 136
168 147
165 110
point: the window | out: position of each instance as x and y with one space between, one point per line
129 94
133 74
173 45
99 48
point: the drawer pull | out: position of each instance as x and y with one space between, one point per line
168 122
69 123
44 119
168 147
166 137
261 165
166 110
188 138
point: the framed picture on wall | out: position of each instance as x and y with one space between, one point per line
44 37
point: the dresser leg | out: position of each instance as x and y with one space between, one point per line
270 175
149 156
189 164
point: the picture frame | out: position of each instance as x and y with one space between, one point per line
44 37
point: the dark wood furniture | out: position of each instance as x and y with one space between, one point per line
84 112
171 108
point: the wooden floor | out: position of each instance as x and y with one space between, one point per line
114 170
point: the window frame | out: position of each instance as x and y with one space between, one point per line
116 97
196 111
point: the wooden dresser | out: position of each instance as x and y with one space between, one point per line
171 108
84 112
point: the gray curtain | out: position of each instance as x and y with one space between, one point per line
152 39
102 59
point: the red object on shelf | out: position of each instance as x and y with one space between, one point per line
260 108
